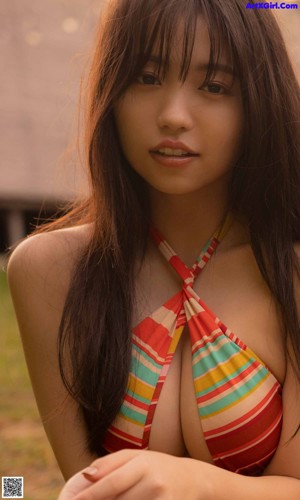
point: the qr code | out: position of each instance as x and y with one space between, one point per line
12 487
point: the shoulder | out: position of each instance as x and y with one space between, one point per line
39 273
52 247
42 264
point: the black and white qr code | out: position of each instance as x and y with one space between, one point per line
12 487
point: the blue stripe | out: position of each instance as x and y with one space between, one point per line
144 373
226 379
132 414
142 354
234 396
215 358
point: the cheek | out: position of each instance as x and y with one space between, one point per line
226 133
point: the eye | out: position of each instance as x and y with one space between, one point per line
214 88
148 79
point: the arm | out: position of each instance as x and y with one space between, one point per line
147 474
39 274
132 474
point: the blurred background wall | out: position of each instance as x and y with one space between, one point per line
43 48
43 52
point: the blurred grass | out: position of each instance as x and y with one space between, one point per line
24 449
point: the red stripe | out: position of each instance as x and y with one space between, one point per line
180 267
210 340
244 417
229 384
153 333
145 350
133 401
261 453
249 433
114 443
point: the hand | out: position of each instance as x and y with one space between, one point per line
74 486
140 474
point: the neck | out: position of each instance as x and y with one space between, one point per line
187 221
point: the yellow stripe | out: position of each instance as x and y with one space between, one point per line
175 339
221 371
140 388
234 403
129 430
143 389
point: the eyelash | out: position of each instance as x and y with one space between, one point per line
215 84
209 84
146 75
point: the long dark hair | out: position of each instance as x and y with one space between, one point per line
94 337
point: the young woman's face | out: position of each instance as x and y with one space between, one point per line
182 136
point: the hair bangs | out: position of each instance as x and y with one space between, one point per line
155 31
220 42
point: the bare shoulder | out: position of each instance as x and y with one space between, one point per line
59 247
39 273
43 263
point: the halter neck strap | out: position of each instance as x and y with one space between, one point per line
187 274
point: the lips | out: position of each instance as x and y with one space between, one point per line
173 149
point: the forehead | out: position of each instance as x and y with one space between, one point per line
201 49
186 48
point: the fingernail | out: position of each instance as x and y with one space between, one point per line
90 471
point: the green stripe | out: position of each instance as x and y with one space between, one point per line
205 348
142 354
204 250
144 373
133 414
215 358
224 380
234 396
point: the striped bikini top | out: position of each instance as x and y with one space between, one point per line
239 399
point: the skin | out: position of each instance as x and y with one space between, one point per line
187 205
207 119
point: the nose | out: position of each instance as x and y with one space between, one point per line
174 111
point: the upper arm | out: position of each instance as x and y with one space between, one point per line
39 275
286 460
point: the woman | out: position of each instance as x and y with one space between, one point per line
193 150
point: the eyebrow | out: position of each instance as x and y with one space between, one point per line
219 67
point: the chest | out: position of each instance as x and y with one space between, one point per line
238 296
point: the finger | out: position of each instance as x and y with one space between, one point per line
109 463
73 486
117 482
141 490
